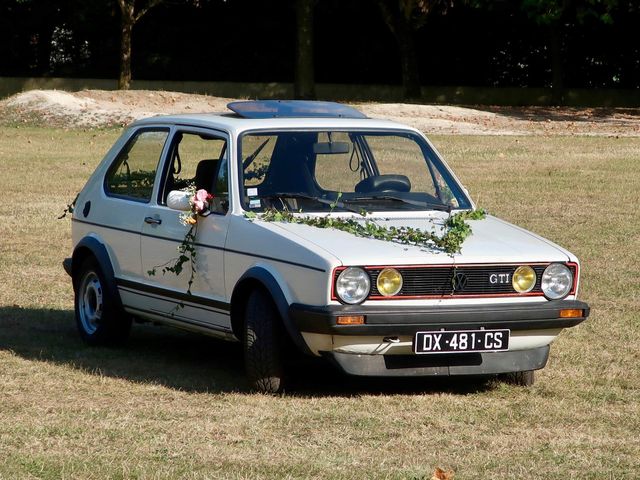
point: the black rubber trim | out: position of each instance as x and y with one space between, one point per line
181 319
159 237
67 264
408 320
190 303
99 252
273 287
173 295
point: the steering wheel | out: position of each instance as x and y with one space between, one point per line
384 183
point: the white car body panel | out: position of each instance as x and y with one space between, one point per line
301 258
491 238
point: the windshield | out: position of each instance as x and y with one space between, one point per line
345 170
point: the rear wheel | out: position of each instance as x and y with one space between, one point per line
264 344
99 320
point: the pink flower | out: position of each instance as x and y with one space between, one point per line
201 199
198 205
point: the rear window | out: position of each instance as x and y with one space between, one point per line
133 172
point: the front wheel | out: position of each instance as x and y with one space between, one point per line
264 343
99 320
522 379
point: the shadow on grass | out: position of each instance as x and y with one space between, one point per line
190 362
564 114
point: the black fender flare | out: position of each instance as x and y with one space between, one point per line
260 276
90 246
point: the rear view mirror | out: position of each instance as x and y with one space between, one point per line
331 148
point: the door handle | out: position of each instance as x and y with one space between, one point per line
152 220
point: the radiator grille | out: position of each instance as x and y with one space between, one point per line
458 281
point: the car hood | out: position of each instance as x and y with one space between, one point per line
492 241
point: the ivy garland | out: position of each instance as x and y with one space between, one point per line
186 253
199 204
457 228
70 208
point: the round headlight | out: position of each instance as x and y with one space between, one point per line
557 281
524 279
389 282
353 285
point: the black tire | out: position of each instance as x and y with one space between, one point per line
522 379
264 344
99 319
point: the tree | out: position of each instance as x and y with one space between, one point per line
556 16
130 15
404 18
304 82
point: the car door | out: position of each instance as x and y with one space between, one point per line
195 157
128 189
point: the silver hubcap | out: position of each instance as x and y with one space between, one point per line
90 308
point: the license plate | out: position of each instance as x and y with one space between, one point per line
461 341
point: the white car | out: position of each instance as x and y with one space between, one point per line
321 235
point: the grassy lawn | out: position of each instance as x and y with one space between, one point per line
175 405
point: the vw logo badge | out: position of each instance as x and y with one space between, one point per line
459 282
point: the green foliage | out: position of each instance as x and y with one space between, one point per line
548 12
457 228
70 208
257 173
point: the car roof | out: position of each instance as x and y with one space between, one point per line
236 124
278 115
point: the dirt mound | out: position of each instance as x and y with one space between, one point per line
99 108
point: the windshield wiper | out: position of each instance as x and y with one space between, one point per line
304 196
428 205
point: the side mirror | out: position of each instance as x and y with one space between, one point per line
179 200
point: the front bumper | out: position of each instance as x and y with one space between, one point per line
380 320
395 322
440 365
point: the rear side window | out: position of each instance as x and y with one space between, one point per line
133 172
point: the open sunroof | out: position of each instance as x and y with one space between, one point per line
293 109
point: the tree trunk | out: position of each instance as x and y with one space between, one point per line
557 65
403 31
126 26
45 35
304 83
408 61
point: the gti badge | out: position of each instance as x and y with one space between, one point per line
499 278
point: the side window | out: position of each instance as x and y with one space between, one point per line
133 172
196 160
221 188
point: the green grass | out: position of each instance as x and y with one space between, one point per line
175 405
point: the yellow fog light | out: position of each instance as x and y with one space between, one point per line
524 279
389 282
